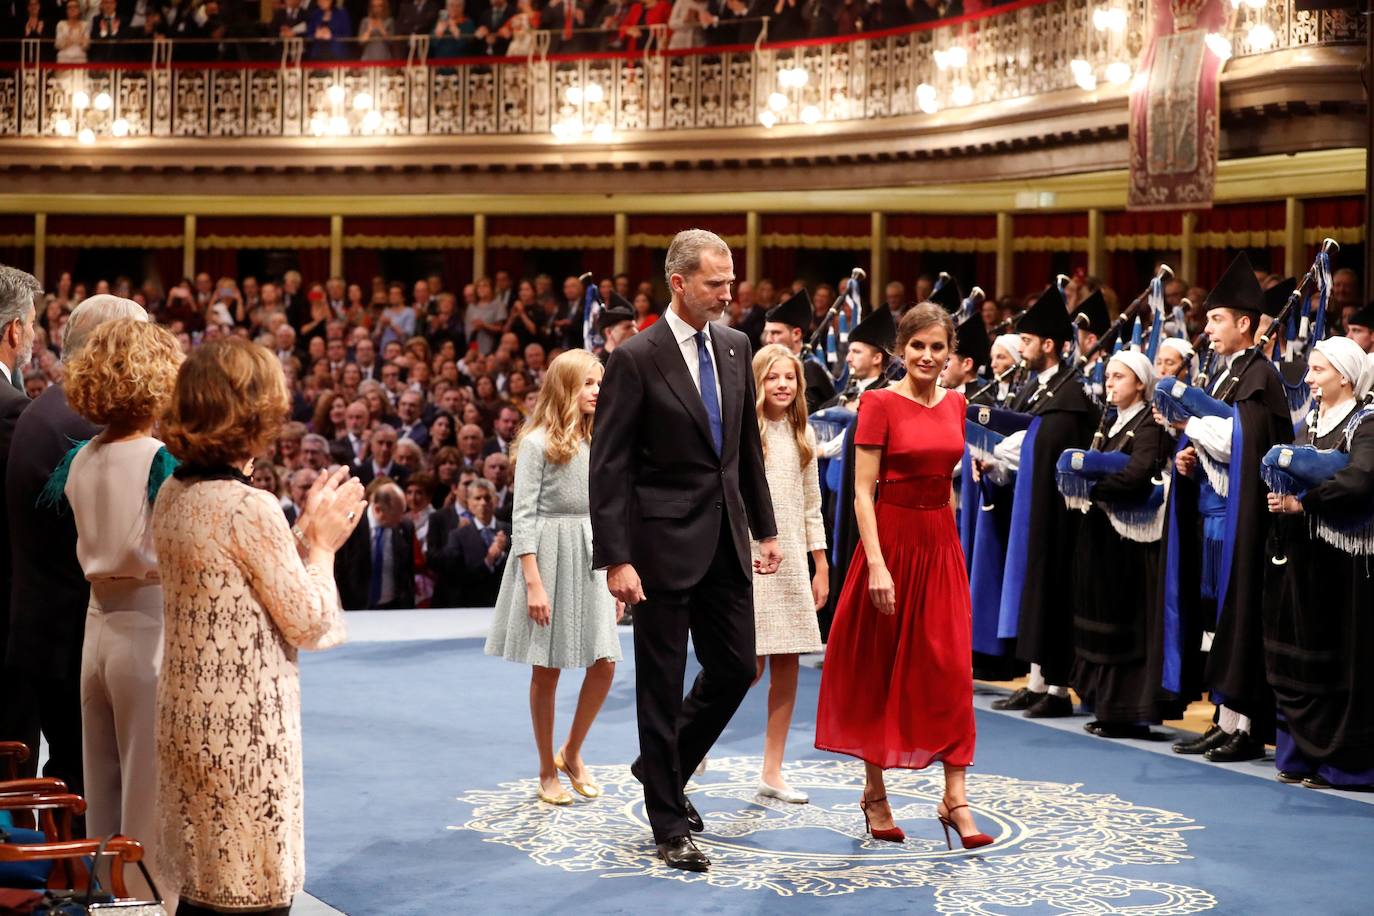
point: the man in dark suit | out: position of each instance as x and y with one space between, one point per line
108 30
478 551
289 21
380 461
489 25
444 562
410 409
17 308
504 429
417 17
677 488
391 551
49 593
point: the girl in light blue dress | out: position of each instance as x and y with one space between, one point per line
554 610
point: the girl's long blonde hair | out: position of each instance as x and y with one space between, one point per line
556 413
796 413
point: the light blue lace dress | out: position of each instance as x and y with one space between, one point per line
551 520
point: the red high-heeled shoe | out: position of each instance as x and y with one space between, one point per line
891 834
974 841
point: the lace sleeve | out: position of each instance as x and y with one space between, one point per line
302 601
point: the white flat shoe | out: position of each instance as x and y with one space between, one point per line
791 796
701 767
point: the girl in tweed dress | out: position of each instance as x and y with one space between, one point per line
785 604
554 610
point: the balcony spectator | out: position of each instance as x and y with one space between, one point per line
72 36
208 28
569 23
329 28
417 17
289 21
520 29
641 17
688 20
490 26
108 29
455 33
37 23
375 32
786 22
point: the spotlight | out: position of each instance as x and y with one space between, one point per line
777 101
336 94
602 133
63 127
87 136
1219 45
1118 72
80 100
810 114
574 95
1260 37
593 93
362 101
961 95
767 118
120 127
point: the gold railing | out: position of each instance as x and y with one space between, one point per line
1017 53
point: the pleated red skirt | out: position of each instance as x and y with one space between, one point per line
897 690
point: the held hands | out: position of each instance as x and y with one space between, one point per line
769 558
333 507
881 591
619 611
1285 505
623 582
1187 461
537 600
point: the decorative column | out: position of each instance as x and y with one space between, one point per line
188 246
1097 246
1006 282
336 246
40 245
1293 247
877 257
1188 256
479 246
753 254
621 260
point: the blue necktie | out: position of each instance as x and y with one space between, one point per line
374 588
708 389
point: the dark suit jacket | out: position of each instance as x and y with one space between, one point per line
12 404
353 565
296 23
658 488
365 473
413 18
49 591
480 584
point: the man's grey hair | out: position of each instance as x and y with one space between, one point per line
304 477
91 314
684 254
482 483
19 292
315 439
389 496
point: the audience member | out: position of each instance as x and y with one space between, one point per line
391 556
480 548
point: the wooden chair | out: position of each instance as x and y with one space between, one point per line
54 811
12 753
70 870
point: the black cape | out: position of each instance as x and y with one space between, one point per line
1318 629
1118 624
1235 665
820 387
1045 625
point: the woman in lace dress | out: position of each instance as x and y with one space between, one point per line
554 611
242 596
785 604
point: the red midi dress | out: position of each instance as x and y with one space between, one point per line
897 690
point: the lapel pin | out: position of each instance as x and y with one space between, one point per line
732 352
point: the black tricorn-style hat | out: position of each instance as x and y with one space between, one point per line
796 311
1275 297
877 330
1092 314
617 310
1048 318
949 296
1364 318
971 340
1237 289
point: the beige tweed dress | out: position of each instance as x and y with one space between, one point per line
784 613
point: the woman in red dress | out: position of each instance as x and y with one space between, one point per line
897 685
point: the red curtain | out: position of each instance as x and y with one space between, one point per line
1248 227
135 262
362 264
264 233
1333 213
20 256
645 262
524 259
1136 240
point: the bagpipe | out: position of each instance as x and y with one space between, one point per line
1079 470
826 340
986 427
1292 470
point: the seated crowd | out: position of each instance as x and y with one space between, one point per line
83 31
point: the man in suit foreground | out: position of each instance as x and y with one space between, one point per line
677 487
391 557
49 592
477 552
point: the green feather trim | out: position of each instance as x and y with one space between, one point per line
163 466
53 495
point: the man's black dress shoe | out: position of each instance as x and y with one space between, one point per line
1023 698
1289 778
1316 782
1202 743
1049 706
681 852
1117 729
1236 748
693 818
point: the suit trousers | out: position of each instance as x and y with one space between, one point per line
46 708
675 732
121 658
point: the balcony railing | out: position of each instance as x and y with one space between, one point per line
1029 49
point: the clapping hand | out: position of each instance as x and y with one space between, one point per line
497 548
769 558
333 507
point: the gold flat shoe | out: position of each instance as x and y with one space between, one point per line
585 789
562 798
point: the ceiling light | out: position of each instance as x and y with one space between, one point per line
120 127
777 101
87 136
336 94
362 101
80 100
1118 72
767 118
810 114
1219 45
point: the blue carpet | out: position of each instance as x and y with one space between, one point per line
420 800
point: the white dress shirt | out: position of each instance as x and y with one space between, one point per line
1213 434
1123 417
685 335
1007 453
6 370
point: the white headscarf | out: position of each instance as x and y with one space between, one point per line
1180 344
1347 358
1012 344
1140 365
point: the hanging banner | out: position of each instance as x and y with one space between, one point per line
1175 107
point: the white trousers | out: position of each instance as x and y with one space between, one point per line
120 659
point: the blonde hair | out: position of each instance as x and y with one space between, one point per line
796 412
230 402
565 427
124 374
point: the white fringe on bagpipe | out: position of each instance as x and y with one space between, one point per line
1218 474
1357 542
1145 526
1076 490
981 441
